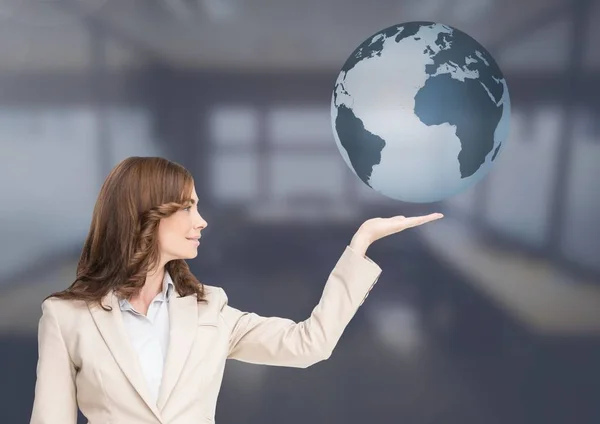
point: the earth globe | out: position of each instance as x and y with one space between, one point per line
420 112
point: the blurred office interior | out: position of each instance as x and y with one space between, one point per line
491 315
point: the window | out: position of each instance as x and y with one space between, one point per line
49 165
293 148
233 126
304 165
305 175
301 126
233 135
234 177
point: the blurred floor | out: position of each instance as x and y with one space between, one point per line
547 299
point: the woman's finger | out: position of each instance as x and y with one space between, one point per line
419 220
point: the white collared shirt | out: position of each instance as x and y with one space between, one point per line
149 334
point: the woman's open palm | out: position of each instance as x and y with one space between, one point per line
376 228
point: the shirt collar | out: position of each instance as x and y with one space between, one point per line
167 290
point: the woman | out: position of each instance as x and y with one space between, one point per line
137 339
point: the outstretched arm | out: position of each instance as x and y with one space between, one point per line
283 342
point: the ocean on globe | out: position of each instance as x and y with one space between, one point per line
420 112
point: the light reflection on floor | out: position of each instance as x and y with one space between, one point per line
397 326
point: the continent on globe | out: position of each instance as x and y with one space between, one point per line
420 111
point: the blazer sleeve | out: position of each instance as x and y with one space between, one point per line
55 393
283 342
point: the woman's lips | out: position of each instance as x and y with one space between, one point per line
195 241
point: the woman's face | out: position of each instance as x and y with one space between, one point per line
178 235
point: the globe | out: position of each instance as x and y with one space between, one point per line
420 112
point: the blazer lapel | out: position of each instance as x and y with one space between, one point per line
188 319
111 327
183 317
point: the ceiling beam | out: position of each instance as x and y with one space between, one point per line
104 26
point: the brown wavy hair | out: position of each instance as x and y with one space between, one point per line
122 244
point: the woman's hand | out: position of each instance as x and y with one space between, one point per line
375 228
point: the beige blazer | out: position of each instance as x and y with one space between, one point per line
86 361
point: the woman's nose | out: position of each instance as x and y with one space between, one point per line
201 223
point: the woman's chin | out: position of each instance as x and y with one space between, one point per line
192 255
187 254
